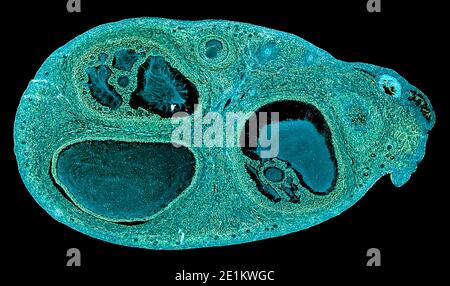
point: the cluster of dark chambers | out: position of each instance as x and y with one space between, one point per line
161 89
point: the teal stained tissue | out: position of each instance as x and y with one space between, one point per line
305 149
94 133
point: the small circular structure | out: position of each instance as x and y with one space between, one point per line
123 81
213 48
274 174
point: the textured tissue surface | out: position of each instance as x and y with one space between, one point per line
93 133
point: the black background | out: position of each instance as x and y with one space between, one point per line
406 224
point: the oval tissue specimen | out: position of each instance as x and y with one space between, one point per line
94 128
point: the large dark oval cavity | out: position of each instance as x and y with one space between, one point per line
304 143
124 181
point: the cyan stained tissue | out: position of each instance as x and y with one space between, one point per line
306 151
93 133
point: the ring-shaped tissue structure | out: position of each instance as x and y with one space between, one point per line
95 142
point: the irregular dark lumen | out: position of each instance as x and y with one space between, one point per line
124 180
100 90
162 89
125 59
306 150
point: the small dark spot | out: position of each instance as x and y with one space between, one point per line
177 243
381 165
392 157
389 147
372 155
155 242
275 225
227 103
366 174
216 237
267 229
233 236
389 90
135 239
247 231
